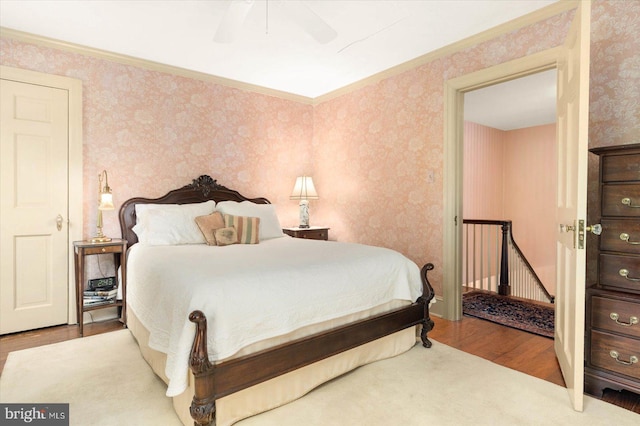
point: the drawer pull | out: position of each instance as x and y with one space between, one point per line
632 320
627 202
632 359
625 273
625 237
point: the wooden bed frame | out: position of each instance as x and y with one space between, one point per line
213 381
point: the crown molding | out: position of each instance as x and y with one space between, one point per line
146 64
523 21
529 19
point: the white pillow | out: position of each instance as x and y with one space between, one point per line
269 223
169 224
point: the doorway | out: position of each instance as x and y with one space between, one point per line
454 154
509 196
572 62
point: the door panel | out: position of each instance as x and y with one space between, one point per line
34 206
572 128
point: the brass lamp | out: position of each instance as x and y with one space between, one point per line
304 191
105 202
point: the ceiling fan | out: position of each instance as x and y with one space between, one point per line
296 11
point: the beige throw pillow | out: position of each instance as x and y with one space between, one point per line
208 225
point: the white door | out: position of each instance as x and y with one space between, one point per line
573 127
34 240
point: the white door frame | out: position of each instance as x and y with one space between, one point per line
75 184
453 162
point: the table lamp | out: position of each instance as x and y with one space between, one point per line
105 202
304 191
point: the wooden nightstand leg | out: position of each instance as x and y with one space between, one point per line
79 289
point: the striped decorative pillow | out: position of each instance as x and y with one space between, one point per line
247 228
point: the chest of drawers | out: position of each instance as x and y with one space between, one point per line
613 302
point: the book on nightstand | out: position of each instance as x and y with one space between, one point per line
92 297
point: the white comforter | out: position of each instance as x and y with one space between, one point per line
254 292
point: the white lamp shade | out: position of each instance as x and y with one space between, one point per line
304 189
106 201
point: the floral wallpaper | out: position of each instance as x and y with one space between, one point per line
378 151
154 132
614 94
375 154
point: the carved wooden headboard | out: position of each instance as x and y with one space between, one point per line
199 190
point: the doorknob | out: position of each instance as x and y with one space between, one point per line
578 228
59 220
595 229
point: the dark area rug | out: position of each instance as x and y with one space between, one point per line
531 317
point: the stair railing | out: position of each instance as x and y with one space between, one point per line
492 261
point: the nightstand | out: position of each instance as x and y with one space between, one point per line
82 249
311 233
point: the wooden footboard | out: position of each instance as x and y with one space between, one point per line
213 381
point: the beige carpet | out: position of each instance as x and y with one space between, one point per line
106 382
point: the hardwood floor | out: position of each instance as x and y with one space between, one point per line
515 349
525 352
46 336
519 350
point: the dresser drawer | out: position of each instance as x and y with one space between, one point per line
619 168
612 272
621 200
619 316
620 235
606 347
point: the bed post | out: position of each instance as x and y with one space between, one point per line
427 295
203 406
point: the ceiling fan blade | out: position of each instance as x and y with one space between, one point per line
306 18
232 20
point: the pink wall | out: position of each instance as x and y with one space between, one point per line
154 132
510 175
483 174
374 148
370 151
614 110
530 196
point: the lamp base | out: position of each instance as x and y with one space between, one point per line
304 214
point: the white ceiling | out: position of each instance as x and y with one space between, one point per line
516 104
372 36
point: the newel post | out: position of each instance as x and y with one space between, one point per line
504 289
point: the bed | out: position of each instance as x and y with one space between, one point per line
292 345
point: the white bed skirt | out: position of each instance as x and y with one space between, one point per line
288 387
